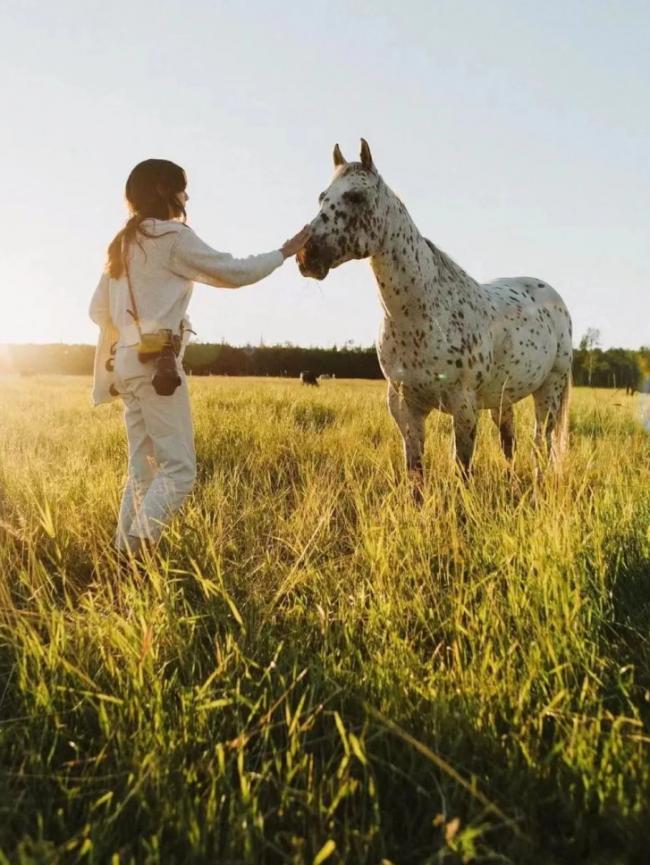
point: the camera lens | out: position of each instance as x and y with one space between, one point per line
166 378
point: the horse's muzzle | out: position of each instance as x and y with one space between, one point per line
312 261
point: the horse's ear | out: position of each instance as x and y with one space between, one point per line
366 156
339 159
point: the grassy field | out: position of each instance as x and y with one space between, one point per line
314 671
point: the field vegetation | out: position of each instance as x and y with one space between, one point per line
311 670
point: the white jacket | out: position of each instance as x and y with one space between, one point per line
163 269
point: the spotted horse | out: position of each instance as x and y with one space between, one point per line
446 342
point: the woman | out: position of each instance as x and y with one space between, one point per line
152 263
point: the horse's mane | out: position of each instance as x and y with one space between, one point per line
433 248
444 262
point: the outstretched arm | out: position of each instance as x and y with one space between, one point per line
195 260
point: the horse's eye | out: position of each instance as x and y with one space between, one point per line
354 197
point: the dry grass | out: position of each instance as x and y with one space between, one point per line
313 671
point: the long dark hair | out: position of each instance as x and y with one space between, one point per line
151 191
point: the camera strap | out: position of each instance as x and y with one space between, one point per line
132 312
135 315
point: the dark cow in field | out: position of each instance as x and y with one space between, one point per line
309 377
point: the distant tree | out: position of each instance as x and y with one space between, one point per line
588 343
590 340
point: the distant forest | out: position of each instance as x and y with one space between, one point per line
592 366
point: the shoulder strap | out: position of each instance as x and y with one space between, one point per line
133 312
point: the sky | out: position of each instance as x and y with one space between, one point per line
517 133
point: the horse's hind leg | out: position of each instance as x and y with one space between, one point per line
550 404
465 422
411 426
504 418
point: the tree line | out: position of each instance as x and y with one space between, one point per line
592 366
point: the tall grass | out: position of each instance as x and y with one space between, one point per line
312 670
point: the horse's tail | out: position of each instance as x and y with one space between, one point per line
561 431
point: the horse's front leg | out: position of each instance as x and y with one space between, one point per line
465 422
410 423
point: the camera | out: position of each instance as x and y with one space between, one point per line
163 348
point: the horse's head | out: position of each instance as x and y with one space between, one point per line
350 222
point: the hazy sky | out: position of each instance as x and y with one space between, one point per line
516 132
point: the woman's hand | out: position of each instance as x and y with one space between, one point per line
295 244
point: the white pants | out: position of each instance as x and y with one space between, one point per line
162 460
